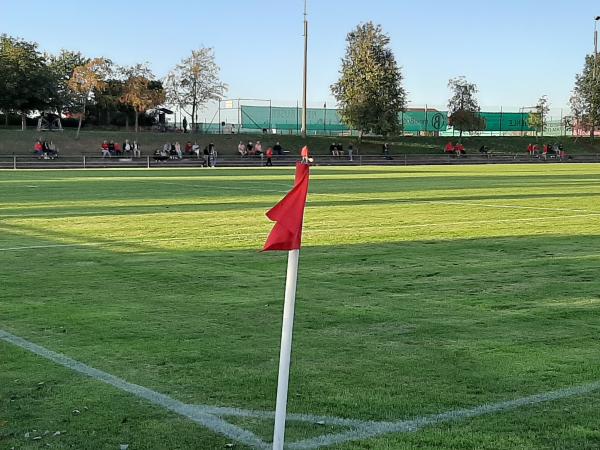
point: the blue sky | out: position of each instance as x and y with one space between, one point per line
515 51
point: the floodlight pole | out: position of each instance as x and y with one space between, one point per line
596 19
305 73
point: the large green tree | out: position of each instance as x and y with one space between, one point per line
463 107
26 83
61 67
585 101
369 91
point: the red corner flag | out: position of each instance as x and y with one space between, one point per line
288 215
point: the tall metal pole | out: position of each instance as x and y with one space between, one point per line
305 73
595 45
324 117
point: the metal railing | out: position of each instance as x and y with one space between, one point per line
147 162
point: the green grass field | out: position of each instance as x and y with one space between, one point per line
421 290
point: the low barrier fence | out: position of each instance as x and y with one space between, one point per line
95 162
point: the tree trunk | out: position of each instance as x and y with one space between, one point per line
80 120
193 117
6 119
127 122
23 122
136 120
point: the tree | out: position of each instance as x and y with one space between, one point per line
463 107
87 80
140 91
585 101
537 118
61 67
194 82
369 91
25 80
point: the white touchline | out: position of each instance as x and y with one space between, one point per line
210 416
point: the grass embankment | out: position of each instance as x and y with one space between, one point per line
21 143
421 290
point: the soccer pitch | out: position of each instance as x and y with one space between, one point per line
437 308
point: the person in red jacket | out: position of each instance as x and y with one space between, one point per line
38 148
305 154
269 155
449 148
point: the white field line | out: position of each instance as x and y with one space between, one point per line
355 232
210 416
195 414
406 426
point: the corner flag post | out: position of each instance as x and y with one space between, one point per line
286 349
287 235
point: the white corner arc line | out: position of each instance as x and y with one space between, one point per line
197 415
407 426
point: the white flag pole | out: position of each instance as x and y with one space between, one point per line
286 349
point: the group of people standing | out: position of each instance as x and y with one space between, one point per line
110 149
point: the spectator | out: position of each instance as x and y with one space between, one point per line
258 148
250 148
118 149
136 150
339 149
459 149
530 149
206 156
269 155
178 151
52 151
172 152
241 149
332 149
196 149
277 148
38 148
449 148
127 147
188 148
212 155
305 154
111 147
386 151
350 151
105 149
546 150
